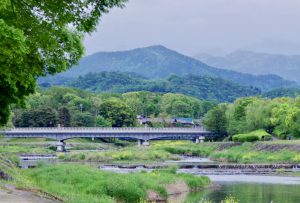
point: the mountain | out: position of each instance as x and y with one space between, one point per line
287 66
158 62
202 87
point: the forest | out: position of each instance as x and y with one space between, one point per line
74 107
201 87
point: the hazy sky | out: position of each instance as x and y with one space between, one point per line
196 26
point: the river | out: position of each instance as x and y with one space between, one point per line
244 188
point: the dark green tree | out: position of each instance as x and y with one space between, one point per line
84 119
41 117
39 38
64 117
215 120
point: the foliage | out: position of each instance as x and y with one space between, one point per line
280 116
84 119
215 120
252 136
41 38
282 92
40 117
81 108
64 117
118 113
202 87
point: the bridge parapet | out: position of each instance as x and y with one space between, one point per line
96 129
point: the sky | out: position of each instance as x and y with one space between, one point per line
193 27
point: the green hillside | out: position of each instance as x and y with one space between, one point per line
282 92
202 87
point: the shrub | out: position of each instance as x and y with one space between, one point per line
252 136
245 138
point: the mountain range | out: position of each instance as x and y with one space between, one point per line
159 62
287 66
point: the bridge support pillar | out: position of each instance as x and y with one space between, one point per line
143 143
200 139
61 146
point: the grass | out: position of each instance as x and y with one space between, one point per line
246 154
169 150
185 148
77 183
128 154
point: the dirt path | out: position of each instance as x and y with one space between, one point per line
10 194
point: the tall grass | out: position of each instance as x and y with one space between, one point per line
129 154
77 183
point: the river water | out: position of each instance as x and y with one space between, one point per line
249 193
244 188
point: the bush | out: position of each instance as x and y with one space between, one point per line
252 136
245 138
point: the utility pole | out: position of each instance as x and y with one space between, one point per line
81 106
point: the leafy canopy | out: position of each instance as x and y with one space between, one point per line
39 38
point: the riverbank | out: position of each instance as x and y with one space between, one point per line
279 152
75 183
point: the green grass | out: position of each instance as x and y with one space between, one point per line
169 150
247 154
185 148
128 154
18 149
77 183
29 140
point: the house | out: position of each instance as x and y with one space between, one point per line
183 121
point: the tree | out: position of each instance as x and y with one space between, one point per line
41 117
118 113
102 122
39 38
215 120
84 119
64 117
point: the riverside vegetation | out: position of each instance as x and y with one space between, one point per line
259 152
77 183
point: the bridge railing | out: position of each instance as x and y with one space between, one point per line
107 129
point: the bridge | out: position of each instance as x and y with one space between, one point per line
143 135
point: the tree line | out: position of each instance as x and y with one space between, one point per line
74 107
279 116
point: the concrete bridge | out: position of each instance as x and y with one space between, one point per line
142 135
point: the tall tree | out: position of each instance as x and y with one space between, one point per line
41 117
39 38
117 113
215 120
64 117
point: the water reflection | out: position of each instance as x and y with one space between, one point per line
249 193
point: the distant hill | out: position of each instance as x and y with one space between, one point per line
285 66
282 92
158 62
202 87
